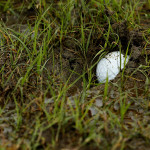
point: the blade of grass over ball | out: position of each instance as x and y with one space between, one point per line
106 88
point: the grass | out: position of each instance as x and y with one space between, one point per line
48 88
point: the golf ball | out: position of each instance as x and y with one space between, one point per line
110 66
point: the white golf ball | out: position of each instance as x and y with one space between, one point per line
110 66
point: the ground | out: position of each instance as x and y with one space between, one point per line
49 94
